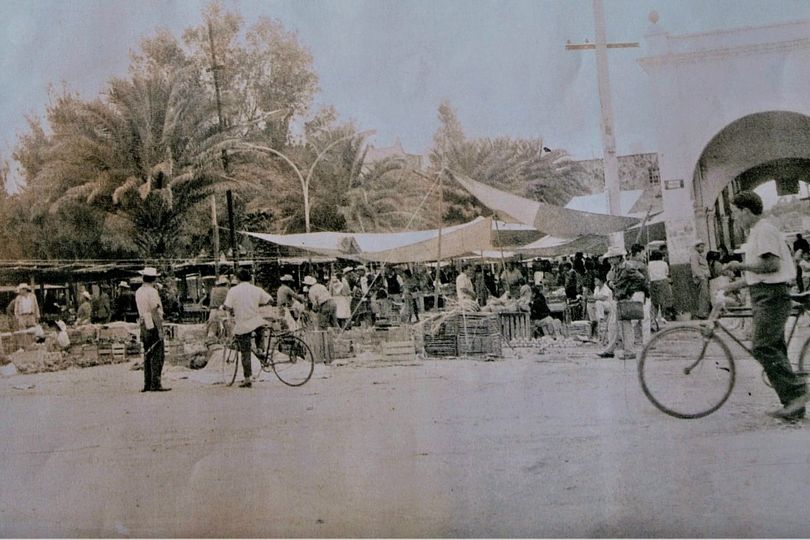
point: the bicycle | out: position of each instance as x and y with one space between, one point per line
687 371
283 353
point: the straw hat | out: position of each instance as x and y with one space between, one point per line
149 271
23 286
221 280
124 285
699 242
286 277
309 280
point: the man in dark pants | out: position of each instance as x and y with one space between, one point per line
768 269
244 301
150 316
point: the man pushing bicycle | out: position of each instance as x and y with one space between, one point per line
768 268
244 300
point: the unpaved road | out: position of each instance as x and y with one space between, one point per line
560 444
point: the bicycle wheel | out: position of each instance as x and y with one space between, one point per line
292 360
686 371
230 363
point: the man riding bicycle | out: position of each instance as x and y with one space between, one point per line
244 300
768 269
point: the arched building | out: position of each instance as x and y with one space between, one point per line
732 112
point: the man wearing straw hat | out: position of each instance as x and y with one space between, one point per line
150 316
26 308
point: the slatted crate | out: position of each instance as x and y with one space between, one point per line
398 351
440 345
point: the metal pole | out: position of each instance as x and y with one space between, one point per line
611 164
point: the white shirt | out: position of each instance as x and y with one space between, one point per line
464 286
318 294
244 299
659 270
148 301
26 305
763 239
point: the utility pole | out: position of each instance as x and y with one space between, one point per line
609 159
214 71
438 284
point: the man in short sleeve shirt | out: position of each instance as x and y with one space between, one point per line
244 301
768 269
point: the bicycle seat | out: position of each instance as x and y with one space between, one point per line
802 298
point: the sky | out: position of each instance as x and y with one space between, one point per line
388 64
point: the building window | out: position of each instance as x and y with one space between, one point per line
655 175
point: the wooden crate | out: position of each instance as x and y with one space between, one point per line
480 345
515 325
580 328
440 345
320 343
398 351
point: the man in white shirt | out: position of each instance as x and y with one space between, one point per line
26 308
768 269
322 303
244 300
465 290
150 317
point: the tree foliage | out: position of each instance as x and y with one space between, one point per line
520 166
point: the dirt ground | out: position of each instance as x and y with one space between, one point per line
556 444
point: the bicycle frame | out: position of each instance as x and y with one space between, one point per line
796 312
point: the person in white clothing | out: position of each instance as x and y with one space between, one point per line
660 287
26 308
150 317
768 269
603 303
322 303
465 290
244 300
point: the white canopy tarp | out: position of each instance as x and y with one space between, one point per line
410 246
551 246
551 219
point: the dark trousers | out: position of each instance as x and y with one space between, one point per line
243 342
153 357
770 306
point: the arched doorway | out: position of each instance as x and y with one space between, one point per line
764 147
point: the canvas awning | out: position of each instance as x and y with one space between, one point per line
554 220
402 247
551 246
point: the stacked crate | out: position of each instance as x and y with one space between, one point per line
465 334
479 334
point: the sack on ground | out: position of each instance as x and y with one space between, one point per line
630 310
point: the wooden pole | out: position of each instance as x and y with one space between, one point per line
439 254
234 248
215 230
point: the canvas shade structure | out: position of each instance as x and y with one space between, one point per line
551 246
394 248
553 220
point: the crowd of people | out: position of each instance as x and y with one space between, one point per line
624 296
